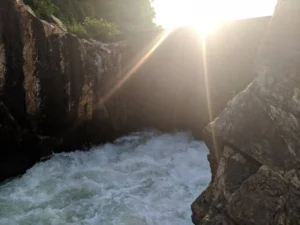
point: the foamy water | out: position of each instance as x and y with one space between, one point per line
146 178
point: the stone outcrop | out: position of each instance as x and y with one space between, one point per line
254 142
61 93
51 86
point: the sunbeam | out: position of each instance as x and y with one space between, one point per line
208 95
140 62
131 70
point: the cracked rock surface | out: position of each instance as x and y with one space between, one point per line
255 142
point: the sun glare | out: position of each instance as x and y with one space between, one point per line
206 15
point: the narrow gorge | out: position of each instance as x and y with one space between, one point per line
137 110
60 93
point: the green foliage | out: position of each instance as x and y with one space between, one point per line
99 19
78 29
100 29
42 7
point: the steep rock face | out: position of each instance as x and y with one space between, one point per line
50 89
254 142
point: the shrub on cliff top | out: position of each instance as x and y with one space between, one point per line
42 7
77 29
100 29
93 28
99 19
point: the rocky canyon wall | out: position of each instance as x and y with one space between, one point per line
254 142
51 86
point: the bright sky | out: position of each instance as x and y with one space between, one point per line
207 13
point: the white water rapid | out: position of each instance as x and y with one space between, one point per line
146 178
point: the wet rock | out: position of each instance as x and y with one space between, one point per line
234 168
259 199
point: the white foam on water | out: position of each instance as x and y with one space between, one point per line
146 178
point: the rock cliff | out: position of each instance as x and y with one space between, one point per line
254 142
51 85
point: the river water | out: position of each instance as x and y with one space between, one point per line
146 178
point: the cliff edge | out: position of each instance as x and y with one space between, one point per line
51 85
254 143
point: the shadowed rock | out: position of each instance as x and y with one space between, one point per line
262 125
50 85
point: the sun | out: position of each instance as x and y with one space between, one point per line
174 13
206 15
206 25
